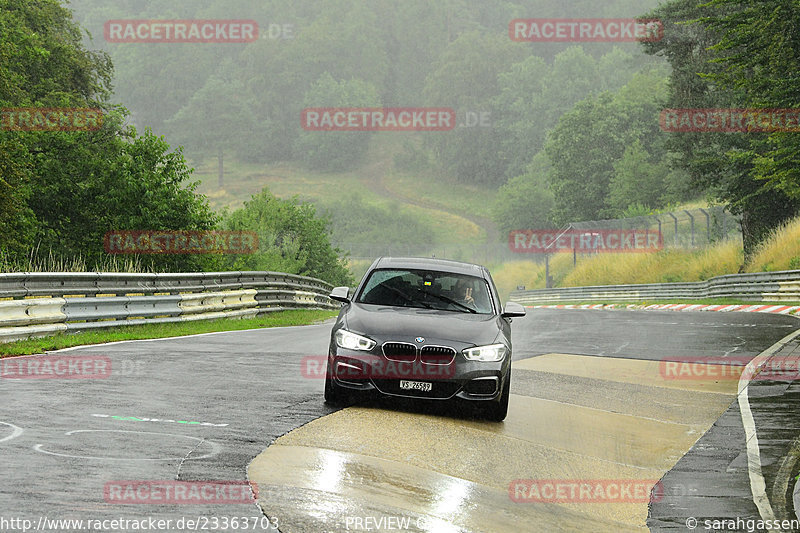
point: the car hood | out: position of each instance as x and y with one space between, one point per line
398 323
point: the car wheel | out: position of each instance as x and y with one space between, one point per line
334 394
497 411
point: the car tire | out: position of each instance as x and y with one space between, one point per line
497 411
334 394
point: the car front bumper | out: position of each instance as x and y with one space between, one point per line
372 371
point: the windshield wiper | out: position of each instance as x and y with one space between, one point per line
449 300
407 298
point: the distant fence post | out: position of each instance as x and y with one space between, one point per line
724 229
708 225
691 222
676 226
547 281
659 226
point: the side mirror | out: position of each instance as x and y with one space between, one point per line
513 309
340 294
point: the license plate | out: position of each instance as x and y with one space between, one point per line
416 385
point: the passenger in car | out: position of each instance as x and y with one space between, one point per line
463 291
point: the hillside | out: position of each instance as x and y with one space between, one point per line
453 212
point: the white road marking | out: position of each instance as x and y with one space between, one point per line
215 448
757 484
16 431
146 419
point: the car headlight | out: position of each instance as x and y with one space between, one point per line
350 341
492 352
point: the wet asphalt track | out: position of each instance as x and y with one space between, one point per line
246 389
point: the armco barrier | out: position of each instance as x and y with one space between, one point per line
40 303
781 286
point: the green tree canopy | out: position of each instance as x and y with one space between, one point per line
63 190
291 238
335 150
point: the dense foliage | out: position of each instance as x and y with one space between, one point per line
61 191
736 54
572 131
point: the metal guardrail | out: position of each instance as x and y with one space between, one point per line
780 286
34 304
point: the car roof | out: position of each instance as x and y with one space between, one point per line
427 263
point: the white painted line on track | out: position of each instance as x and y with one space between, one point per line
215 448
758 486
16 431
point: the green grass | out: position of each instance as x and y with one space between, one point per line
446 194
297 317
242 180
285 181
779 251
449 208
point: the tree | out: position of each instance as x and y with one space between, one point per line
636 181
113 179
336 150
17 220
759 54
61 191
291 238
466 79
522 109
526 201
729 54
216 119
341 37
42 63
588 150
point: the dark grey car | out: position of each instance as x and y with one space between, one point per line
423 328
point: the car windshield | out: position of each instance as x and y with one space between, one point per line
445 291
